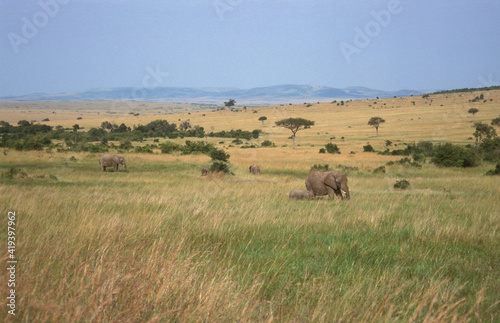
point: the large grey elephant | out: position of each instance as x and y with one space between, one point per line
204 171
108 160
301 195
327 183
254 169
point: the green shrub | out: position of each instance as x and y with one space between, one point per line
196 146
219 155
268 143
490 149
402 185
379 170
126 144
324 167
168 147
322 151
219 166
332 148
368 148
418 158
144 149
495 171
449 155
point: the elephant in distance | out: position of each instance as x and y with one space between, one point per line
108 160
254 169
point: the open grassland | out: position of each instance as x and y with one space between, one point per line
162 243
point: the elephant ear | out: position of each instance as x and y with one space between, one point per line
330 181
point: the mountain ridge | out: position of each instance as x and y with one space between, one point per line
283 93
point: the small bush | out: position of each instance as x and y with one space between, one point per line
332 148
324 167
219 155
322 151
379 170
368 148
402 185
268 143
168 147
219 166
495 171
418 158
127 144
197 146
144 149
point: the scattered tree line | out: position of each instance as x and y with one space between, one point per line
487 147
237 134
488 88
29 136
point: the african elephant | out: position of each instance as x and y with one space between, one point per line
301 195
204 171
254 169
108 160
327 183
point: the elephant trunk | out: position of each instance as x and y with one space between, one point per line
125 165
346 190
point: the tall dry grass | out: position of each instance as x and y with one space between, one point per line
162 243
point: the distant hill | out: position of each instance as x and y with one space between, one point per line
288 93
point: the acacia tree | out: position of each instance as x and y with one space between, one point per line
473 111
294 125
263 118
496 122
375 122
483 131
230 103
185 125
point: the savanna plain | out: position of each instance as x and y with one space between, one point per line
162 243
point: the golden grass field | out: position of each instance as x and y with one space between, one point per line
161 243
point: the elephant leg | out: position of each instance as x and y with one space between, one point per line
331 193
103 168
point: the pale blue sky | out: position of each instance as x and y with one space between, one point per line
56 46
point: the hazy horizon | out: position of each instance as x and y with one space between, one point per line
57 46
